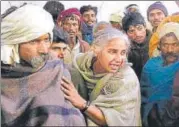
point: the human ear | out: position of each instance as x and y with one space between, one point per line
95 49
158 47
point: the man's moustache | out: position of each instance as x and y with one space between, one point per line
171 55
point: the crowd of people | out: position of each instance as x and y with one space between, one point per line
61 67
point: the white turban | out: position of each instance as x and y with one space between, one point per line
24 24
168 28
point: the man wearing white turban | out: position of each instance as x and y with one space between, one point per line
160 94
30 78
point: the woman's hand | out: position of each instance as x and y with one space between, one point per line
71 94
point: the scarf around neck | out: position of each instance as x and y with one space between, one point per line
87 32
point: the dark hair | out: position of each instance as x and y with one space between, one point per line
133 19
130 5
54 7
87 8
59 36
11 9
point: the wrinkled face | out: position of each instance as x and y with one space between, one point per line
116 25
113 55
58 49
89 17
35 51
169 47
155 17
137 33
71 26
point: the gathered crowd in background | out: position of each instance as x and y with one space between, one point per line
61 67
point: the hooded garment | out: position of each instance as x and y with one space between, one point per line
30 22
116 96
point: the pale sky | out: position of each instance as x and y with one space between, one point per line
105 8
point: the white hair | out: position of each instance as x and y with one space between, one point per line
103 37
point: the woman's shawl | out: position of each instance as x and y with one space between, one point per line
37 99
156 85
117 95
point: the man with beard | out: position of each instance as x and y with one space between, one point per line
30 82
160 98
70 21
135 27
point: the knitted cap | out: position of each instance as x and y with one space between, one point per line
157 5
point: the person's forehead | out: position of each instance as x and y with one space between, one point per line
112 43
45 36
71 20
59 45
169 39
135 26
89 12
156 11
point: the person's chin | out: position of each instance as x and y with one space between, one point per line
113 70
90 24
171 60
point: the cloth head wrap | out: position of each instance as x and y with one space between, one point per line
69 12
168 28
115 17
24 24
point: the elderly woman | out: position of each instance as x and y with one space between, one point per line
109 87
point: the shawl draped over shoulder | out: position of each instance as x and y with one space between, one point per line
37 100
117 95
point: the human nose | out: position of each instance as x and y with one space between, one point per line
44 48
170 48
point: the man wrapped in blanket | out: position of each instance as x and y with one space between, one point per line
30 78
160 96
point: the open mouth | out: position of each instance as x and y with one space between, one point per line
114 67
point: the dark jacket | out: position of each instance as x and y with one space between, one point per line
138 54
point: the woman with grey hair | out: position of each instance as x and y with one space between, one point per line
109 90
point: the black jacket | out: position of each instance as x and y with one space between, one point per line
138 54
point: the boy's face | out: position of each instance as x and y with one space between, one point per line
137 33
58 49
89 17
155 17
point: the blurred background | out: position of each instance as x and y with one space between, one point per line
105 8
